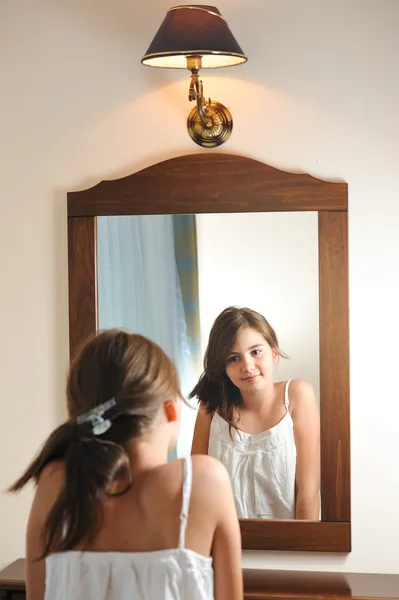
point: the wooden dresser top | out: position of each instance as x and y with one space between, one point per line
264 584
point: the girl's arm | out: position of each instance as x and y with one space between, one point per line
306 417
226 549
201 432
214 495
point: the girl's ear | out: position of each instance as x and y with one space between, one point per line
171 412
276 355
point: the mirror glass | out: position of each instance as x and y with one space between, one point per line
168 277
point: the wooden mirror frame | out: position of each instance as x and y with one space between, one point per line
225 183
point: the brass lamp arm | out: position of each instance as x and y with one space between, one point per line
210 123
196 93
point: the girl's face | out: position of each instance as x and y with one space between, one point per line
250 363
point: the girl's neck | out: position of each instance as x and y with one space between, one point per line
259 400
146 453
144 456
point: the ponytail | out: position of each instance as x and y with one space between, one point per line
116 384
91 465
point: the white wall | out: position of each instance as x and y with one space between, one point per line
268 262
319 94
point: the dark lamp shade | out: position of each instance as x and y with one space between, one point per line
192 31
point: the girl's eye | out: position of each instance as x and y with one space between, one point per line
233 359
256 352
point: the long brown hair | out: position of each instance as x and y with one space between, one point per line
138 375
214 390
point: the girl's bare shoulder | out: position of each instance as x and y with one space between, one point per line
205 468
302 396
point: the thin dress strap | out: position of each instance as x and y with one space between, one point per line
186 495
286 398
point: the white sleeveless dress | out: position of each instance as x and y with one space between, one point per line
261 466
175 574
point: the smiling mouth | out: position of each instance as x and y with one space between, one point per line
251 378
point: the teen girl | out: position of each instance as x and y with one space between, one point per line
111 518
266 434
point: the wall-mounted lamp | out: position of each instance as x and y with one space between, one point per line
197 37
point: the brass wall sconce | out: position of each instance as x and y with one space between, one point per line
197 37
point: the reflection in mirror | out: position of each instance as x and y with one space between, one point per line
169 277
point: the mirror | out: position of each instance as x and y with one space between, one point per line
169 276
228 199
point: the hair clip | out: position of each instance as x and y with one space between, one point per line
95 417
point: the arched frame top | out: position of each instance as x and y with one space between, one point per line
200 182
219 183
